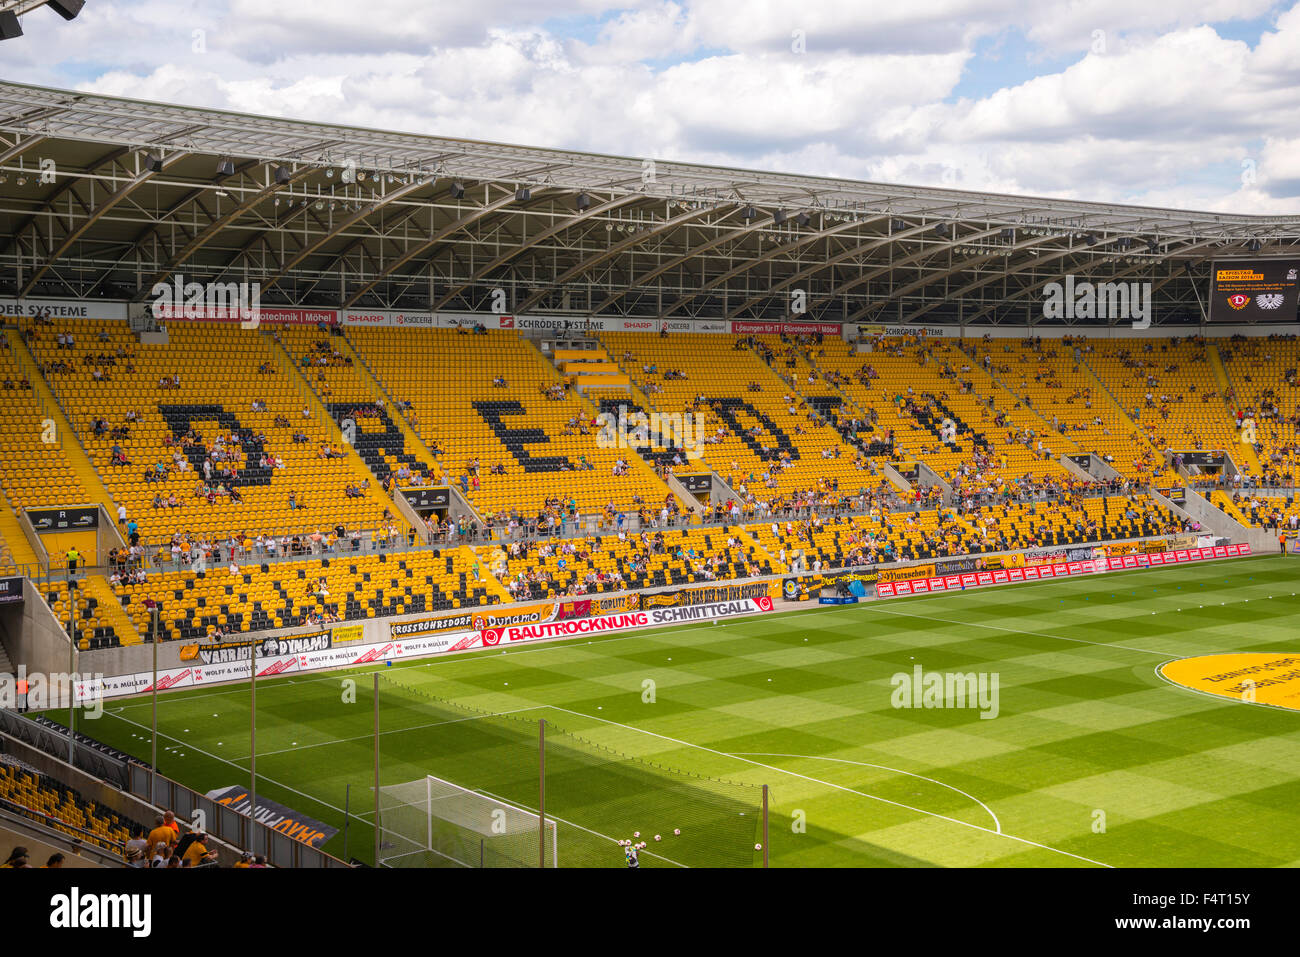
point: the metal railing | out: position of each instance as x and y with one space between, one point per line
225 823
109 850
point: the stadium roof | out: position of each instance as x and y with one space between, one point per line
103 197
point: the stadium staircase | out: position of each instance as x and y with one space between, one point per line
1118 408
361 471
749 540
636 462
1243 453
486 579
414 444
20 551
847 402
589 366
637 400
111 613
69 441
998 383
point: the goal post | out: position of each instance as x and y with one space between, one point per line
431 822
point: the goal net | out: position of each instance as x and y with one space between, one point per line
435 823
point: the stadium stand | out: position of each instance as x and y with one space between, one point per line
1054 380
386 443
79 818
1169 388
202 447
504 422
911 386
620 561
768 440
799 428
294 593
1263 386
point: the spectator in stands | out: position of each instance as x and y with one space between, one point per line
136 851
18 858
161 837
55 861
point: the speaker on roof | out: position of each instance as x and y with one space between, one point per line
10 28
68 9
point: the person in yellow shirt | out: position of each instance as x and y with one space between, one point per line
160 836
197 852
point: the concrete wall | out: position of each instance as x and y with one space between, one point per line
40 642
1261 541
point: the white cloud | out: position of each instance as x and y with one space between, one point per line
1164 113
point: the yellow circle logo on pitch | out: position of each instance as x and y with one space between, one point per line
1271 678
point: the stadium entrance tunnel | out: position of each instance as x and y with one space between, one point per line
1270 678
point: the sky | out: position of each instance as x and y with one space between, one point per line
1191 104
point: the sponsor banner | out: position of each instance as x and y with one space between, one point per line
226 652
612 606
906 574
1040 572
346 633
61 309
697 595
233 666
1120 331
274 815
63 519
868 330
1153 545
368 317
11 590
524 615
815 583
673 325
1013 560
1206 541
576 324
1045 556
1176 494
386 319
429 626
578 608
421 320
267 315
949 565
1120 548
749 328
1255 290
650 618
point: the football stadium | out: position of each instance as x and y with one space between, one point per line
386 499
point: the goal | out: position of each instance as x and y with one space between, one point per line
430 822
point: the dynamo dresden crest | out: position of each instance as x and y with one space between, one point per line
1239 301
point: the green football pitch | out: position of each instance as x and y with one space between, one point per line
1092 759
